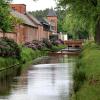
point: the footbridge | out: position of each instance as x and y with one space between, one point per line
73 47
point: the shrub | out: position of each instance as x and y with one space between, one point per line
57 48
35 45
9 48
47 43
26 54
57 42
79 77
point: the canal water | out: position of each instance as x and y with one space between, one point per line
49 78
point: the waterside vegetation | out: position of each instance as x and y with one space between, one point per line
87 74
11 53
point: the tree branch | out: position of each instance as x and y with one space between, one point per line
94 2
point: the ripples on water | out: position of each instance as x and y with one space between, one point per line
52 81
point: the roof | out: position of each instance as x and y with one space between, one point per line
51 12
43 21
50 23
25 19
33 19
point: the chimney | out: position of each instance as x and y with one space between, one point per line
21 8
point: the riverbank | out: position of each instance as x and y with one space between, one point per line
11 53
27 54
87 74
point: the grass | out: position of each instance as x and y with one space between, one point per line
7 62
28 54
88 81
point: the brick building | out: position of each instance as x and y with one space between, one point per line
52 18
32 28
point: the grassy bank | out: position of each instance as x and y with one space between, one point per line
27 54
87 74
7 62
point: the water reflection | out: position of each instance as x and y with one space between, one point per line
51 81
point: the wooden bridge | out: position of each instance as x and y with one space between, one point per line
74 43
73 47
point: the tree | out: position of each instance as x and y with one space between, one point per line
83 15
60 14
40 13
5 19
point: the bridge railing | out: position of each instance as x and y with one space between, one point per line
74 43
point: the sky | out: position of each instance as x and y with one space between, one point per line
36 5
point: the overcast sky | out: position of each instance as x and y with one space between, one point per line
38 5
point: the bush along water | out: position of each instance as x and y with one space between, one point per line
28 54
9 48
11 53
46 45
87 74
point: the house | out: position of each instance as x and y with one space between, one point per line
38 24
27 31
32 28
46 28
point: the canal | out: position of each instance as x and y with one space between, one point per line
49 78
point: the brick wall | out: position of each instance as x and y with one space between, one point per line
30 34
40 32
46 34
19 29
11 35
53 19
26 33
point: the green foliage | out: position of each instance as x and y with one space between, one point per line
40 13
81 15
27 54
89 65
79 77
57 48
7 62
47 43
5 20
61 13
9 48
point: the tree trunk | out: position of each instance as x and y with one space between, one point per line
3 34
97 35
